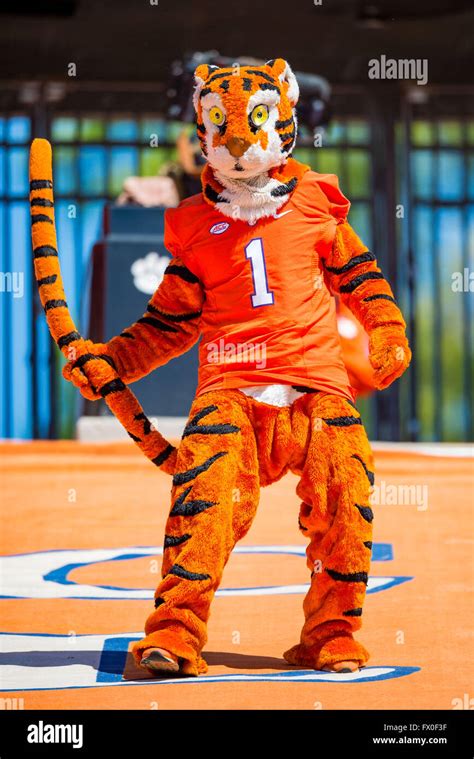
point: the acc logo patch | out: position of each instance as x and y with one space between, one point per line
218 229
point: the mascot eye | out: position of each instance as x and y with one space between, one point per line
216 116
259 115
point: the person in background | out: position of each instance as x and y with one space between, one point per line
179 180
191 161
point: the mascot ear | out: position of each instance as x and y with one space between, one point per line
201 74
282 69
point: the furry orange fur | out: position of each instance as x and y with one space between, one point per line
91 366
234 444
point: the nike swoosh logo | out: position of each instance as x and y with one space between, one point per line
279 215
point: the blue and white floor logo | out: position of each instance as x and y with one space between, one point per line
51 662
45 574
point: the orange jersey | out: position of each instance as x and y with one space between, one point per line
268 317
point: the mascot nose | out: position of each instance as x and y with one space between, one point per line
237 146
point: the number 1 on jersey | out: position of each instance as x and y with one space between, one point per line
261 294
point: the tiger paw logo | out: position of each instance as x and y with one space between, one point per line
149 271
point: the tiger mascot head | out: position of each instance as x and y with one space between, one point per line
246 118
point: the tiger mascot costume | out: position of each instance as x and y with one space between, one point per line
256 259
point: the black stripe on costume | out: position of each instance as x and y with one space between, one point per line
366 512
263 74
213 196
355 261
304 389
370 475
50 304
157 324
284 124
287 135
134 437
175 540
44 251
82 360
44 202
368 544
246 84
343 421
193 427
350 577
182 272
224 85
202 413
205 91
127 335
114 386
180 571
301 526
181 477
210 429
173 317
201 128
183 508
47 280
354 283
254 129
165 453
380 296
353 612
220 75
41 184
159 601
37 218
146 422
266 86
69 338
284 189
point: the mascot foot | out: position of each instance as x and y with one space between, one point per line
166 651
338 654
342 666
159 660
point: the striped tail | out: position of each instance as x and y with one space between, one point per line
101 370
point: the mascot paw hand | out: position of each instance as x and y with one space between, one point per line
389 354
78 375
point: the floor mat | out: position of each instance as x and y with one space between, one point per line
82 526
